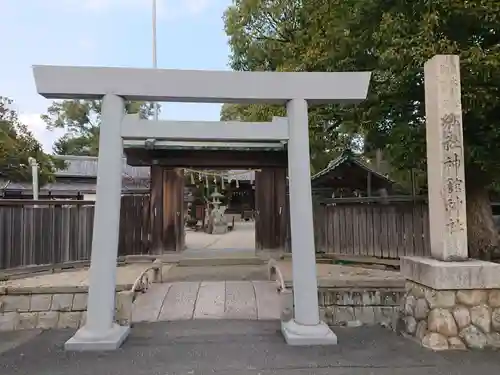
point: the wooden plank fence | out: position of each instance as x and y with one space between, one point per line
135 225
52 232
371 227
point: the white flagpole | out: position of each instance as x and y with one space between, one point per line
155 59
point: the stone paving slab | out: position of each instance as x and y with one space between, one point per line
241 348
208 300
211 300
147 306
62 282
336 275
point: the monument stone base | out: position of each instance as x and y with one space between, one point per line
219 229
301 335
451 305
84 340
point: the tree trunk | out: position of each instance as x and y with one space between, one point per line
483 238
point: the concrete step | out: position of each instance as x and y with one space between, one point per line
217 273
226 261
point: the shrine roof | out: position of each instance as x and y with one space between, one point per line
345 166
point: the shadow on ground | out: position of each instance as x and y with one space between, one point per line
241 348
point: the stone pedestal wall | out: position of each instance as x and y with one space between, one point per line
341 306
55 310
451 319
345 306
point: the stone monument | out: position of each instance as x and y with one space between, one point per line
452 302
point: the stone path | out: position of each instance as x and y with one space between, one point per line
253 300
241 237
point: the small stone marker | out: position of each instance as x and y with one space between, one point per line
445 159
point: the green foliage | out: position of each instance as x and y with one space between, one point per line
393 39
81 120
272 35
17 144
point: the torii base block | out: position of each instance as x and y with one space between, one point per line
85 340
300 335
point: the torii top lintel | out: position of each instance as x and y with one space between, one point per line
200 86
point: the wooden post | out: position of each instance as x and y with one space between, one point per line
369 184
281 207
156 207
167 209
173 212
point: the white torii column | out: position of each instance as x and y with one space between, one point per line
306 327
100 332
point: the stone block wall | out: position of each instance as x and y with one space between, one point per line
451 319
55 310
339 306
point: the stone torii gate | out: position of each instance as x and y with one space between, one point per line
115 85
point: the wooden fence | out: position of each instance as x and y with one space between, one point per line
372 227
52 232
135 225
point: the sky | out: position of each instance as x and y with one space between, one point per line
116 33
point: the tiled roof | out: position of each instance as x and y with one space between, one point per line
348 157
84 170
86 166
83 187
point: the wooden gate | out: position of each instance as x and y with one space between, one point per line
167 209
271 205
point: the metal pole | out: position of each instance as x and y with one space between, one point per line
155 60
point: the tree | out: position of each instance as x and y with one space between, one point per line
393 39
17 144
325 144
81 120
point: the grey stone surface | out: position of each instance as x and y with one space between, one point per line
16 303
208 300
62 302
27 320
147 306
79 302
8 321
180 301
456 319
240 300
211 300
48 319
110 341
439 275
265 295
41 302
217 273
69 319
240 348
